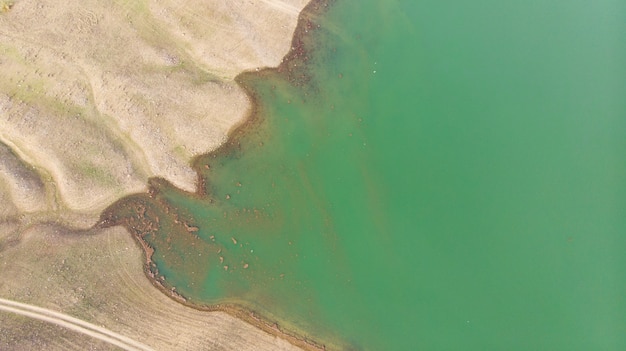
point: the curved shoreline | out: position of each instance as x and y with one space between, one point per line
292 68
149 86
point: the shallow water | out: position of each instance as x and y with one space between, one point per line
452 177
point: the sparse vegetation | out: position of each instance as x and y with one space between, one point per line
6 6
129 86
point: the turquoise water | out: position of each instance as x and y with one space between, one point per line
452 177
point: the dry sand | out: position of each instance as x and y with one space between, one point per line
97 96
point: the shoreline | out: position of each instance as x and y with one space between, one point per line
146 100
120 300
65 181
292 68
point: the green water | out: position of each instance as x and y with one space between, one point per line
453 177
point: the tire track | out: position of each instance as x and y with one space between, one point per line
73 324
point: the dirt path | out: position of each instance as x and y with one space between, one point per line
73 324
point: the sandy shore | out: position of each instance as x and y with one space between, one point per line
96 97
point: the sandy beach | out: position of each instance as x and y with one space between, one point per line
96 97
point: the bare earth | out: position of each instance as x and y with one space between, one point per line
96 96
97 278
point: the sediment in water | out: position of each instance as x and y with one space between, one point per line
141 214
